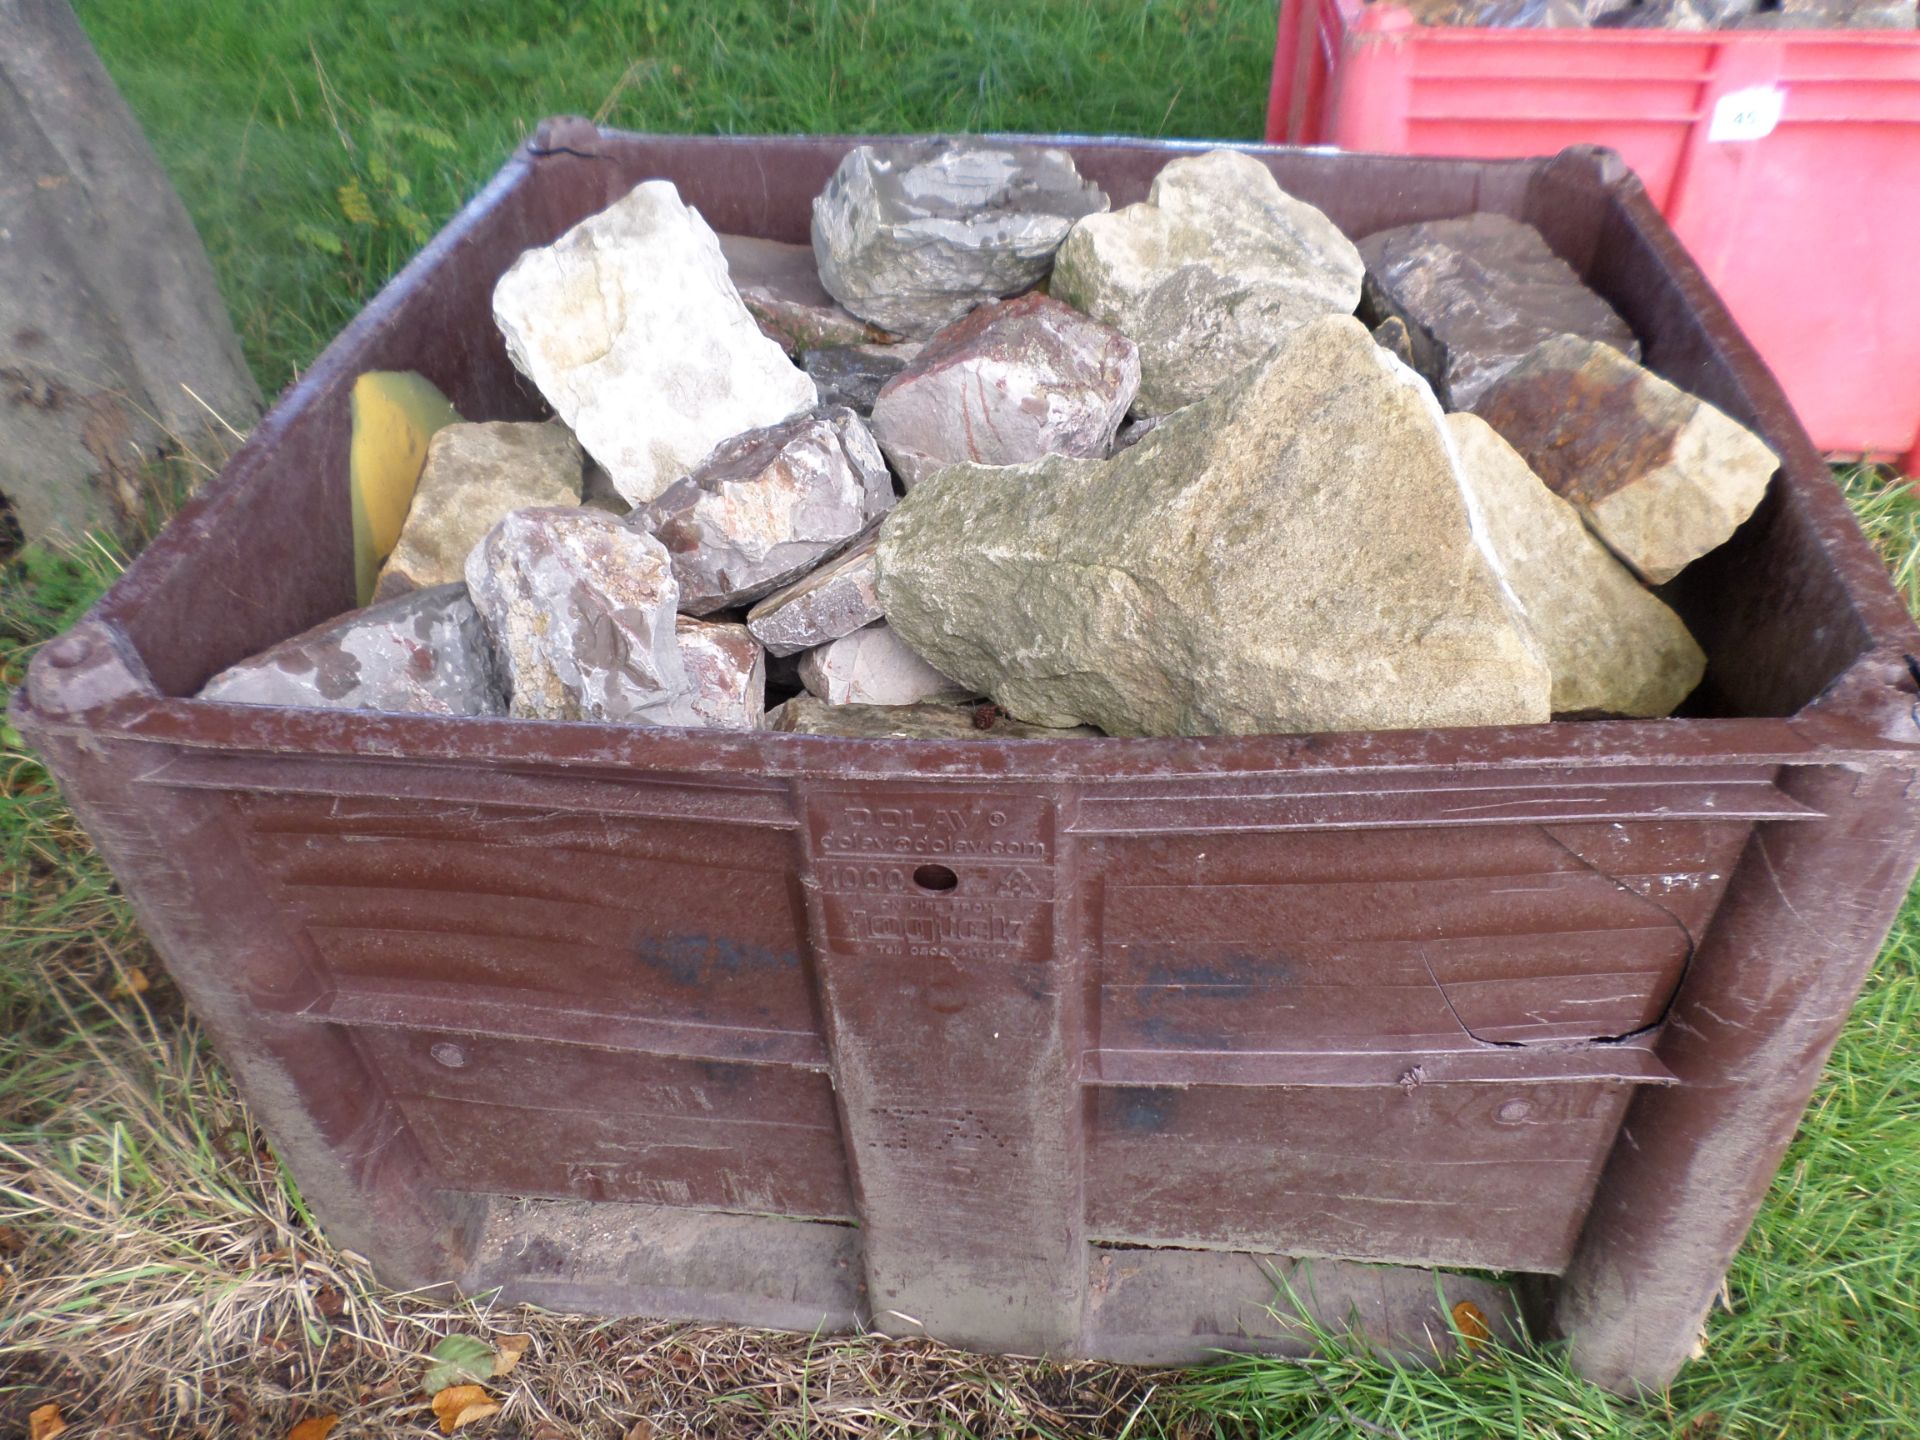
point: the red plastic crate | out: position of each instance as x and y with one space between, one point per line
1806 221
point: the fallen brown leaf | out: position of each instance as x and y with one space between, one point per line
314 1427
329 1302
642 1430
133 981
1471 1321
45 1423
507 1350
459 1405
547 1430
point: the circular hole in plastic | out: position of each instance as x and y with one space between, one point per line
935 877
451 1056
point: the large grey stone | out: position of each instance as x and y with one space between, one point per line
425 652
726 673
475 475
873 666
631 328
1216 266
913 234
929 720
581 610
837 599
1477 293
1613 648
780 286
1293 553
852 375
767 506
1661 476
1012 381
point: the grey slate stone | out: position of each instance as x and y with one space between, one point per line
767 506
1012 381
913 234
425 652
580 607
1476 294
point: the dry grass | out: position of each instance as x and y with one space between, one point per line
161 1278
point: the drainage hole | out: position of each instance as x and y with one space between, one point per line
935 877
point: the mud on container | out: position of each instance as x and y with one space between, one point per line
1077 1047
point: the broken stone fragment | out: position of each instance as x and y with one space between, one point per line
630 327
1613 648
1661 476
930 720
1012 381
726 673
1216 266
474 475
1292 554
425 652
780 286
837 599
874 666
913 234
767 506
580 607
851 375
1476 294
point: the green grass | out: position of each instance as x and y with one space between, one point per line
156 1271
266 112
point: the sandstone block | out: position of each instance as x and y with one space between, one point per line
1613 648
1293 553
1661 476
1216 266
474 476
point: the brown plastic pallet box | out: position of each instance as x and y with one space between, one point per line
1088 1047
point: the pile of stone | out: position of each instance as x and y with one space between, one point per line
1670 14
995 460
